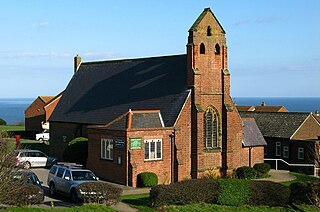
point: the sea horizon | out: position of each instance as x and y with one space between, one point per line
12 109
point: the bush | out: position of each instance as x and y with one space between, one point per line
246 172
262 169
305 193
147 179
76 151
233 192
99 192
185 192
25 195
268 193
3 122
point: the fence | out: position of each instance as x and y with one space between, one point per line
315 169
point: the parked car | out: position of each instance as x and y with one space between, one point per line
27 158
28 177
43 136
64 178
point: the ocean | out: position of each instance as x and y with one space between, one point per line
12 110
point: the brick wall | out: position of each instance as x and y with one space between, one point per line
34 115
310 129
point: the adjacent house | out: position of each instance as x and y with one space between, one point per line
262 108
171 115
293 137
39 111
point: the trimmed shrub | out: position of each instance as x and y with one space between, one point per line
233 192
185 192
76 151
305 193
246 172
262 169
268 193
3 122
99 192
25 195
147 179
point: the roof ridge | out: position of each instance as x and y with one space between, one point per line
131 59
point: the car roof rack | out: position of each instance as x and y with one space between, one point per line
70 165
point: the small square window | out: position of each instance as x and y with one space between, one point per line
301 153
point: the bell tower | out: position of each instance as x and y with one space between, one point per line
209 79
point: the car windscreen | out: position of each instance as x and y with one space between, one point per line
83 175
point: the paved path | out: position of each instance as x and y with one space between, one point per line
279 176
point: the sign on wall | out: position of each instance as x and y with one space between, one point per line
135 143
119 143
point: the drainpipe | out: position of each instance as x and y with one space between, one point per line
172 140
250 156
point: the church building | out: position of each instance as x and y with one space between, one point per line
171 115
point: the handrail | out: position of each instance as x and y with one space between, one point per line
295 164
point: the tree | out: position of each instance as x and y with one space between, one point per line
8 185
3 122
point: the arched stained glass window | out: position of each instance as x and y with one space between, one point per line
211 128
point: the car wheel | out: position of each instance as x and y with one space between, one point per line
52 189
73 196
41 140
26 165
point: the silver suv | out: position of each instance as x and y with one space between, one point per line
65 177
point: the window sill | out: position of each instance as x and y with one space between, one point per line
107 159
150 160
208 150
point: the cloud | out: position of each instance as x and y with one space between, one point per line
30 54
40 25
266 20
243 22
53 54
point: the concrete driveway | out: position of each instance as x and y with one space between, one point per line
58 200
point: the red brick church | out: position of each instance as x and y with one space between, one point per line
171 115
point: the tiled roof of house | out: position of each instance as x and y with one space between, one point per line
245 108
280 125
317 116
46 99
270 109
100 92
251 134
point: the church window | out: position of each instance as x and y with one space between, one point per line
209 33
217 49
202 49
211 128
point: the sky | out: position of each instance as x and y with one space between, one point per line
273 45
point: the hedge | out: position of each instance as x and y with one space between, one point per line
246 172
26 194
305 193
268 193
100 192
147 179
185 192
76 151
232 192
262 169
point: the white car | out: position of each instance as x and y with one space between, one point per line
28 158
44 136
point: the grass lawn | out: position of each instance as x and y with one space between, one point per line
84 208
300 178
12 128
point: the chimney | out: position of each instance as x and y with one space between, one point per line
263 104
77 62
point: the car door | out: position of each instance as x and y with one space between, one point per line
30 156
59 180
66 182
40 159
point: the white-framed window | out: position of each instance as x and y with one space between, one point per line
106 148
286 152
153 149
278 148
300 153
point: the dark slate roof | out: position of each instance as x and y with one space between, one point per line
280 125
252 135
146 120
99 92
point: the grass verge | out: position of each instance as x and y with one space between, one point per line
139 201
300 178
12 127
84 208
